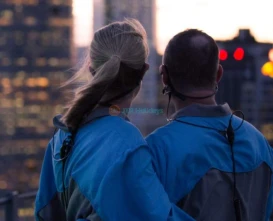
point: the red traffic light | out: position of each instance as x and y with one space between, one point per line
223 55
239 54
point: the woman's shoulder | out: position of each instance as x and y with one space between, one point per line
127 131
114 129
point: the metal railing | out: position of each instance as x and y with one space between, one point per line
17 207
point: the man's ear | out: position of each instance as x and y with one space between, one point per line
147 67
163 73
219 74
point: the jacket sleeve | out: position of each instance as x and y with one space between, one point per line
131 191
47 204
159 159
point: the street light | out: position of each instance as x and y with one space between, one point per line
239 54
267 69
223 55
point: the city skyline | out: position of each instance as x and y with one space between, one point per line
35 54
221 24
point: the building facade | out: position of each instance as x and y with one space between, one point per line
243 85
35 53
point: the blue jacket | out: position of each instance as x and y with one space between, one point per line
194 165
108 176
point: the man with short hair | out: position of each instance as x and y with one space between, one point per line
213 165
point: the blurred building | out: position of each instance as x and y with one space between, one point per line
106 11
35 51
243 85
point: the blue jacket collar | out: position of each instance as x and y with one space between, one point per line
103 112
199 110
97 113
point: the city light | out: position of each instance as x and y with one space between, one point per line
239 54
223 55
267 69
270 55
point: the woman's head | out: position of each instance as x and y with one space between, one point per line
117 63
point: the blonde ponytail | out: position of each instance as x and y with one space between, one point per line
91 93
118 42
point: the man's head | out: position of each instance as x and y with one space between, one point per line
191 61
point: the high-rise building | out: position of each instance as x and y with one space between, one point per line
243 85
35 53
106 11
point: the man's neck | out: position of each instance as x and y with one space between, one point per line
178 104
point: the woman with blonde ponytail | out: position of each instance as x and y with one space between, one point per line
97 165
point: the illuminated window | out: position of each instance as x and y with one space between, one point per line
42 96
40 62
8 14
31 163
6 103
22 61
6 62
53 62
60 22
19 102
31 82
5 82
58 109
31 2
61 2
42 82
17 82
6 17
64 62
267 130
35 109
30 21
3 184
23 2
56 2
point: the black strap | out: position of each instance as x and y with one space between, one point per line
229 134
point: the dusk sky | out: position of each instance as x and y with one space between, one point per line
219 18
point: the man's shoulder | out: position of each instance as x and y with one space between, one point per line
159 133
250 128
